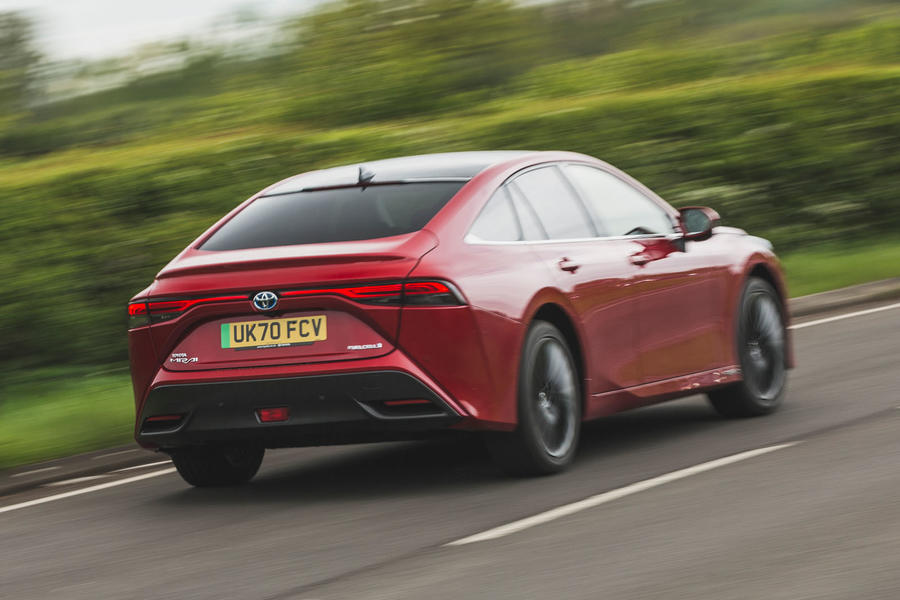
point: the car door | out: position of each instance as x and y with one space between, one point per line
679 290
595 275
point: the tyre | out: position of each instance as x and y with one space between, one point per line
549 407
761 349
205 466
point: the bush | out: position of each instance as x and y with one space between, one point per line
794 137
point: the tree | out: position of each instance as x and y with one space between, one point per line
361 60
17 59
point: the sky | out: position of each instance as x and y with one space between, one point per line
91 29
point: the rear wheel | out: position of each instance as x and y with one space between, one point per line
205 466
549 408
761 341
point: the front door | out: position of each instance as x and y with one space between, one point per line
677 296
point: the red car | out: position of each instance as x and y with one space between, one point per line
513 293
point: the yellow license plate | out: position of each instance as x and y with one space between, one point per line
274 333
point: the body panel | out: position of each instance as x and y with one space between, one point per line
601 291
683 324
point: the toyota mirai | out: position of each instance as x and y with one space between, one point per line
516 294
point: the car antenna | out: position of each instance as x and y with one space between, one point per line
365 176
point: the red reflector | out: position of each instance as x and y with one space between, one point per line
162 418
405 402
273 415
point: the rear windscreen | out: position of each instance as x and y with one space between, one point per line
336 215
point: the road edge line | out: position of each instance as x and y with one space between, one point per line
605 497
87 490
841 317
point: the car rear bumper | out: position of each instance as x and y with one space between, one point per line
323 409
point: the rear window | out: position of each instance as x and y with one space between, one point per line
337 215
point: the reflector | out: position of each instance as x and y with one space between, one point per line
162 418
272 415
405 402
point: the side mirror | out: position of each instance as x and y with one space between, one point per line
697 222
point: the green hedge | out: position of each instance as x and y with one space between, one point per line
800 160
794 137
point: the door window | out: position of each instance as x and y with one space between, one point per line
560 212
620 208
497 221
531 228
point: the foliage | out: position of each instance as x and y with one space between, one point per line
17 57
791 129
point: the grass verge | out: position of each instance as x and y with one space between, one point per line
48 413
831 267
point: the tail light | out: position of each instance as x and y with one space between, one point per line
157 311
410 293
137 315
430 293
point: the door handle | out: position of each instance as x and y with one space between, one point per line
640 259
566 264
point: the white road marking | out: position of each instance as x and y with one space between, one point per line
569 509
114 454
153 464
72 481
87 490
34 472
858 313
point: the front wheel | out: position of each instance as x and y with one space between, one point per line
549 408
761 347
206 466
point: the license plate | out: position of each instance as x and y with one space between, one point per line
274 333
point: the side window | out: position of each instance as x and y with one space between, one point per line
558 209
497 221
621 209
531 227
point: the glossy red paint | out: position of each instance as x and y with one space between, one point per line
650 318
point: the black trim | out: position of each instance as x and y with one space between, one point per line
324 409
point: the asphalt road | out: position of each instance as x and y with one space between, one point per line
817 519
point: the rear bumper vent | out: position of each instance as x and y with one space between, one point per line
162 423
404 408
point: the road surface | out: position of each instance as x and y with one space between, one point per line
806 504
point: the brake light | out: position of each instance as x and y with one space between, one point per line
137 315
389 294
410 293
429 293
144 313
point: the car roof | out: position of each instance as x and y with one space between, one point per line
459 166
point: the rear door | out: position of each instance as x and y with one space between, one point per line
679 295
595 274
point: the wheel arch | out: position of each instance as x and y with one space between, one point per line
557 316
767 274
772 275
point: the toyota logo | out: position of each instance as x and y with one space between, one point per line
265 300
